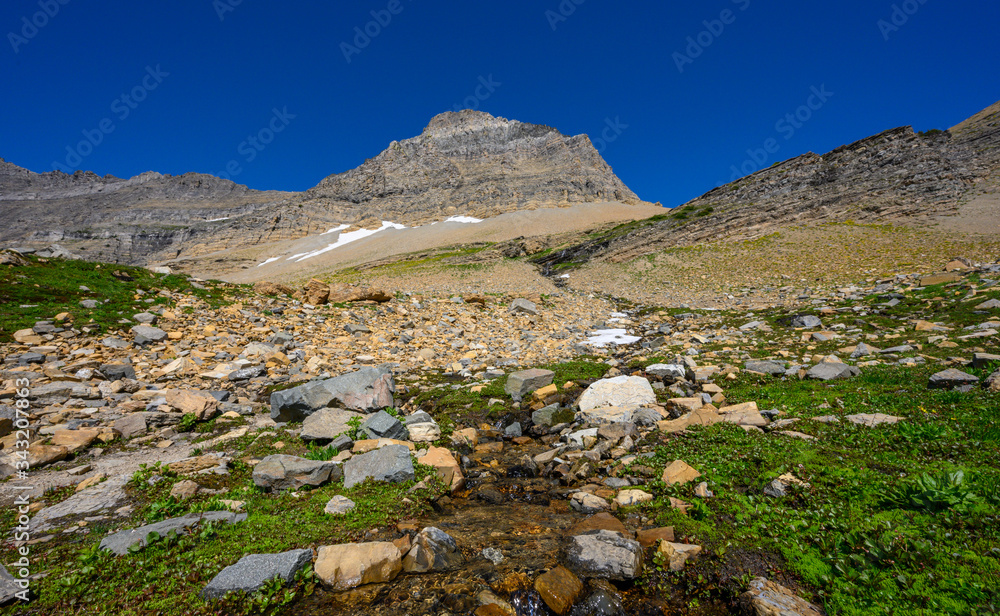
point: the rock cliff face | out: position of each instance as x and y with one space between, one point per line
468 163
120 220
472 163
895 175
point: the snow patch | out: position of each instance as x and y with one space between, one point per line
217 219
271 260
465 219
335 229
604 337
346 238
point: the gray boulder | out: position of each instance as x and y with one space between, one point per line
418 417
646 418
523 306
605 554
298 403
830 371
366 390
433 550
113 342
146 318
327 424
552 415
120 542
982 360
281 472
145 334
951 378
131 425
9 587
808 321
391 463
666 371
115 372
774 368
251 572
520 384
53 393
384 425
250 372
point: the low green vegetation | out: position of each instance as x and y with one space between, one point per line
895 519
167 576
48 287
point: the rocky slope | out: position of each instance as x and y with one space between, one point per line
467 162
396 446
897 175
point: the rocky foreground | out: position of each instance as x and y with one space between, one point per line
353 450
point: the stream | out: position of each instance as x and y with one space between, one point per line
527 520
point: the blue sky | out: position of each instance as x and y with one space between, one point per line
679 99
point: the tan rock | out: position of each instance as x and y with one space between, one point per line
544 392
559 588
316 292
179 367
927 326
676 503
653 536
598 521
193 465
765 598
684 405
447 467
345 566
466 436
27 336
927 281
75 440
341 293
40 455
678 472
705 416
678 553
745 414
90 481
201 404
183 490
366 445
271 288
628 498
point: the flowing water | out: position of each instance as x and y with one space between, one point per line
526 520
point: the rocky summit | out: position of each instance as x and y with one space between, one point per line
467 164
724 408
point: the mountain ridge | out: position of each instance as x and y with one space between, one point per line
466 162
